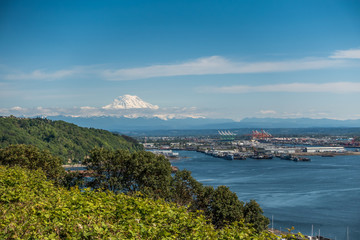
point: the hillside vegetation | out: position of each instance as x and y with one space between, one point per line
62 139
33 208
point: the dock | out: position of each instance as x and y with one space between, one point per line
347 153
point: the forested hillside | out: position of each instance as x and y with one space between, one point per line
66 140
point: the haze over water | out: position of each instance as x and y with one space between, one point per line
324 193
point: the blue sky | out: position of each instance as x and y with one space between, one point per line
218 59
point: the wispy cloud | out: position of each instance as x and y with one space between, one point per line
349 54
207 65
201 66
218 65
41 75
333 87
266 112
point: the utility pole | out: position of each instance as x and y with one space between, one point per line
312 230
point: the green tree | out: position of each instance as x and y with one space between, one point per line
185 189
137 172
225 207
220 206
31 157
147 173
73 179
204 200
254 216
107 167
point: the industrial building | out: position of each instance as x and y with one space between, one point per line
324 149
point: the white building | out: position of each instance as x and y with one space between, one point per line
324 149
148 145
166 153
286 150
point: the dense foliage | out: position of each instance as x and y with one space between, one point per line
150 174
62 139
220 205
128 172
31 157
33 208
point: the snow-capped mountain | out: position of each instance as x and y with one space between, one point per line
129 102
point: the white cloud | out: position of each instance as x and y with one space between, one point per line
267 112
41 75
334 87
177 116
17 108
87 108
292 115
217 65
162 113
201 66
351 54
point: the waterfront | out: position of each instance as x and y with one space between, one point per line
324 193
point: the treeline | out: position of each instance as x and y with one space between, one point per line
66 140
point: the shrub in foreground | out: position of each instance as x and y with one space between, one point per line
33 208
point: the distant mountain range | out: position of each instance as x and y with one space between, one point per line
122 124
131 113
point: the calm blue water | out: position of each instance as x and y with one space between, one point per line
324 193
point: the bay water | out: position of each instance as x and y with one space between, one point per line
323 194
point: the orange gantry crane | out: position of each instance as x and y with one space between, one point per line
260 134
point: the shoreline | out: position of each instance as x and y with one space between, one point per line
327 154
73 165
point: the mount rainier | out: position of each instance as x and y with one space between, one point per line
129 102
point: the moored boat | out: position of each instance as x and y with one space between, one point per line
261 157
238 156
302 159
